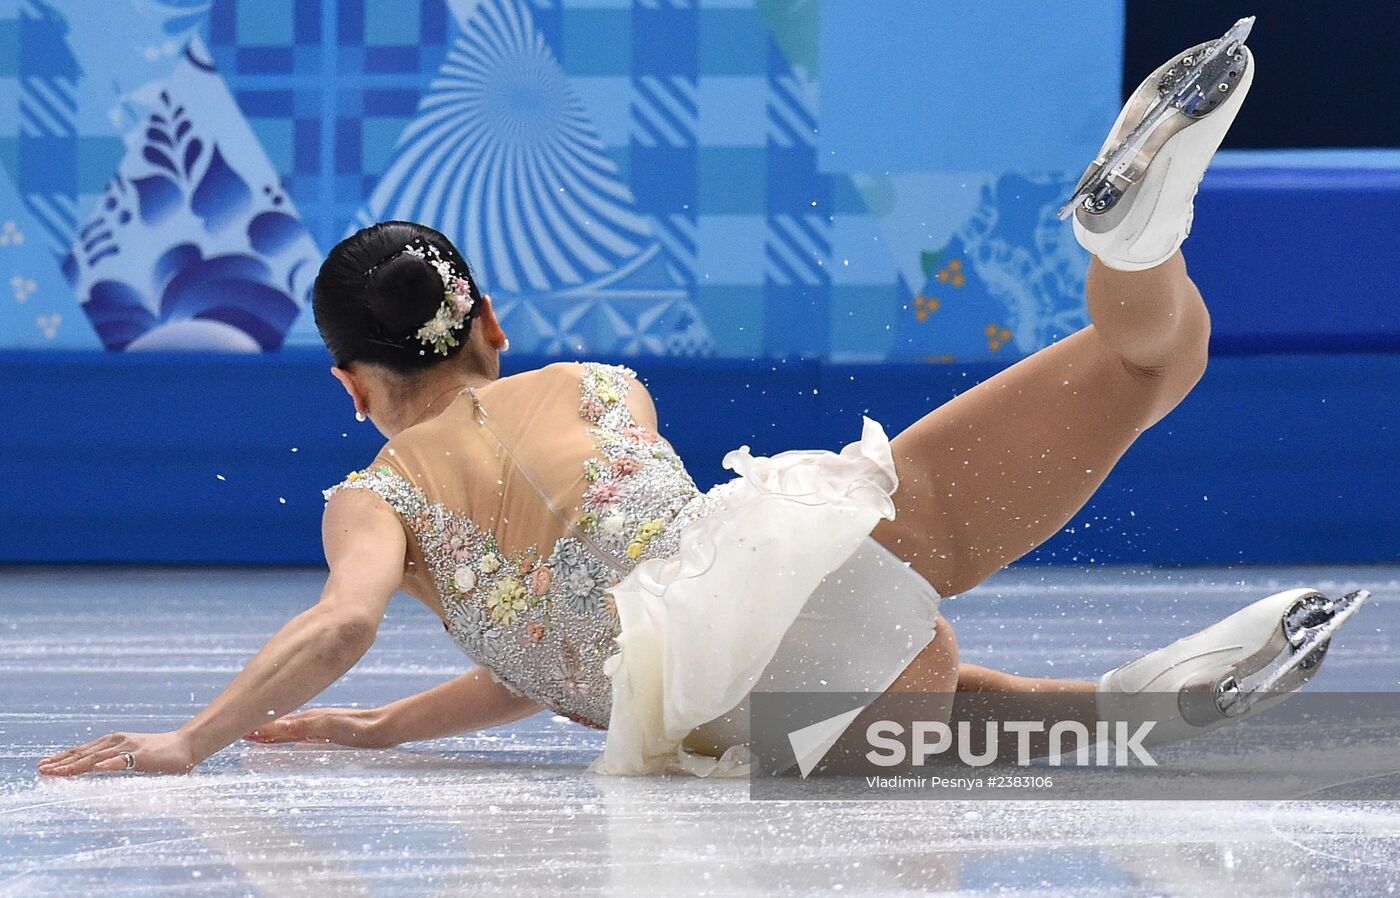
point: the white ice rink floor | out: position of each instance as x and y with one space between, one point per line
83 652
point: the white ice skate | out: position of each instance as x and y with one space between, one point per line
1247 662
1133 207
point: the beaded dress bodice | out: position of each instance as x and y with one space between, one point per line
564 501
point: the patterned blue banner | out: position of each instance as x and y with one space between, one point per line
715 177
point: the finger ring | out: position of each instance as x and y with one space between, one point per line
130 759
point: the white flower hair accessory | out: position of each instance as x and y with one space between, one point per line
439 331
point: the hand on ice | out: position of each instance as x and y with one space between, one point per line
342 726
119 752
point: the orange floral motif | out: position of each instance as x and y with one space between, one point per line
997 337
952 273
924 306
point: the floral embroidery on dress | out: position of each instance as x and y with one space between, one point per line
517 614
470 626
581 578
544 622
638 484
506 600
572 673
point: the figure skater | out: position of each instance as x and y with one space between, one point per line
567 551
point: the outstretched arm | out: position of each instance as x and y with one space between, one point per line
365 547
473 701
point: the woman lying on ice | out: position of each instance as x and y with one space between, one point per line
570 555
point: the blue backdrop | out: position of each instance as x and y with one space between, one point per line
857 196
657 178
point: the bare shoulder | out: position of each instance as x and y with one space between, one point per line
364 543
571 371
553 373
353 515
638 396
577 371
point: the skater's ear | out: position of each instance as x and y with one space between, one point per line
490 325
351 381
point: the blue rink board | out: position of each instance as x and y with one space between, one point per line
1273 459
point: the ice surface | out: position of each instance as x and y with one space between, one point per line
513 812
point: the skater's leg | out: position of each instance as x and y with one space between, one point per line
935 669
998 470
991 696
1078 694
992 474
953 692
939 669
932 675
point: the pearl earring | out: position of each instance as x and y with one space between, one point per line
360 416
505 345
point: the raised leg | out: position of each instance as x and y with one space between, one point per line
995 472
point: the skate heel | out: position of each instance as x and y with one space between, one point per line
1306 630
1246 663
1133 206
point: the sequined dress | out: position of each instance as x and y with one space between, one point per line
573 556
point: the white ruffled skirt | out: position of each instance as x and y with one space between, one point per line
779 588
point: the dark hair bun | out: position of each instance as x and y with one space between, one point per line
371 297
403 294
